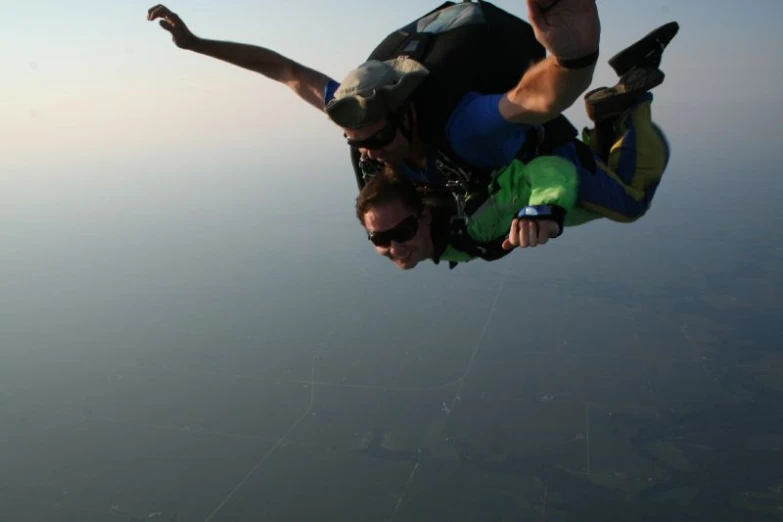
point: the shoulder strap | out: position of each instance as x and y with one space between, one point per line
474 47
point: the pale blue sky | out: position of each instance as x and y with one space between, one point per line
87 82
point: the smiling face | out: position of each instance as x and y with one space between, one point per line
393 213
399 233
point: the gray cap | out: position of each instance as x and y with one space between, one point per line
373 90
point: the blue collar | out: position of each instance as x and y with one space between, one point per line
429 175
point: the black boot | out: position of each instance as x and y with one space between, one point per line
647 52
608 102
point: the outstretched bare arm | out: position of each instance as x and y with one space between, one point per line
307 83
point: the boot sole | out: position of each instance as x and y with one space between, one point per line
643 53
604 103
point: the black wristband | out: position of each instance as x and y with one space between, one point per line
554 213
579 63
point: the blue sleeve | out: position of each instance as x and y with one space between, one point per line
478 133
329 89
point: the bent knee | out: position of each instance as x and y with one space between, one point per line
629 213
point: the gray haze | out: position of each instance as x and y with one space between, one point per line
227 346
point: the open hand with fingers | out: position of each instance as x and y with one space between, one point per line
171 22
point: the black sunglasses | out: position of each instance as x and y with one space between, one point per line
378 140
401 232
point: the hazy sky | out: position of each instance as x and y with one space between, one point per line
89 84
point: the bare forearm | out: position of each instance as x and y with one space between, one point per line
305 82
545 91
257 59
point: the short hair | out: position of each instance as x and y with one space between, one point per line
386 187
391 185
